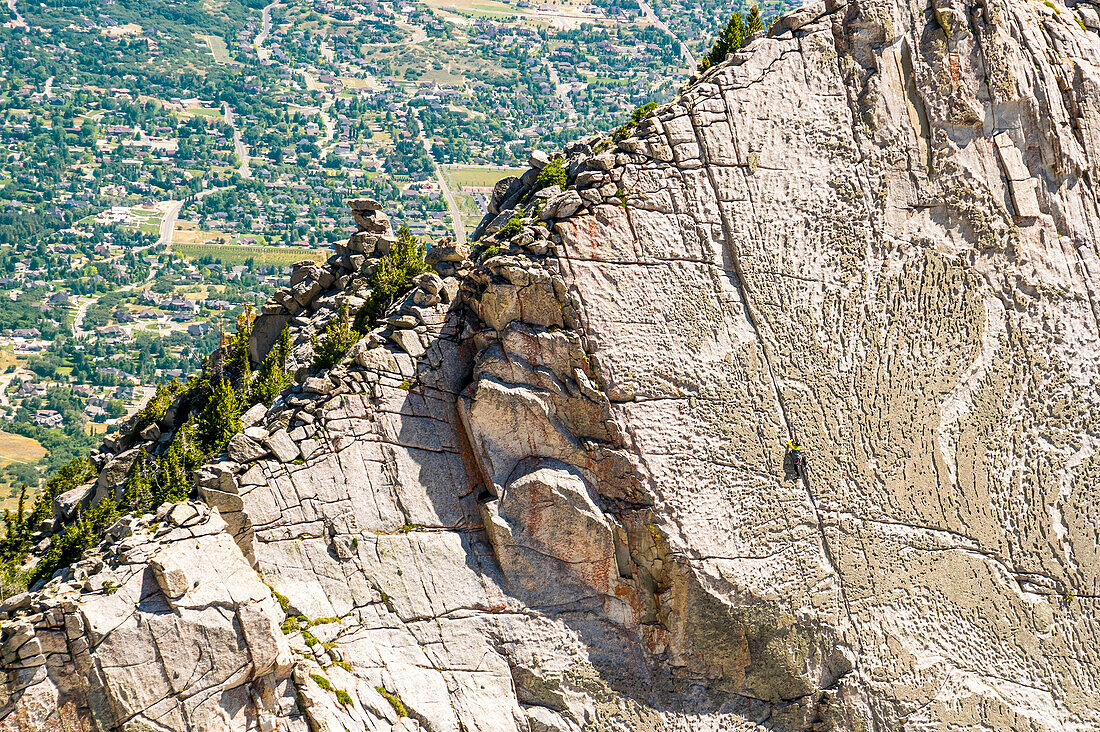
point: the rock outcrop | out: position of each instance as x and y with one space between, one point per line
550 491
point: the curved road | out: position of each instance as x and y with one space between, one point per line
20 21
265 31
167 229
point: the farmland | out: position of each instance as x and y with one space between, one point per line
478 176
262 256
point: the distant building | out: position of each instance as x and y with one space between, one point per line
28 333
182 304
48 418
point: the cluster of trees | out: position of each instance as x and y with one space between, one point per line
208 413
736 32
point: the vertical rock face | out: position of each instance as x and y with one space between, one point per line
551 490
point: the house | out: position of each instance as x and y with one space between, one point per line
182 304
48 418
198 329
31 388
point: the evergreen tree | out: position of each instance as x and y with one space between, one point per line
274 376
137 494
754 24
335 342
733 37
220 419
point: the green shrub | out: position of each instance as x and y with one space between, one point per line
274 376
635 117
322 682
335 342
344 698
638 114
394 700
392 275
513 227
488 253
554 174
323 621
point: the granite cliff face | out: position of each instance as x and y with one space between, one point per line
552 492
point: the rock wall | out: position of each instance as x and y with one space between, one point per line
551 491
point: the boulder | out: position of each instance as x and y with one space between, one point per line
538 159
304 270
409 342
66 505
504 188
243 449
447 253
282 446
561 206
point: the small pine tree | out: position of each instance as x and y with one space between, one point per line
754 23
732 37
392 275
335 342
220 419
274 376
181 458
239 360
137 494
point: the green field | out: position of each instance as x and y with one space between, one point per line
217 48
235 254
478 176
201 112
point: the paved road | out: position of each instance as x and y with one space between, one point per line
238 145
689 59
19 21
457 224
561 91
265 31
49 88
167 229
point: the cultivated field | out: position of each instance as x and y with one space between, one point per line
217 48
263 256
478 176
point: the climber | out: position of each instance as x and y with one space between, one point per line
797 457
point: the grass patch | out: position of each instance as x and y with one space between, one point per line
261 255
19 449
217 48
477 176
394 700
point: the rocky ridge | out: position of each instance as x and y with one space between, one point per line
550 490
